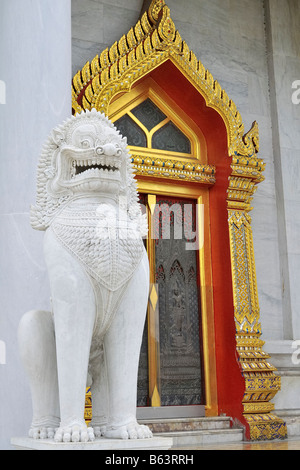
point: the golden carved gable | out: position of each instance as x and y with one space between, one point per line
151 42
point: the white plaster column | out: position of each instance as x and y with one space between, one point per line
283 38
35 73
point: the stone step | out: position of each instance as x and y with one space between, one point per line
195 439
194 432
187 424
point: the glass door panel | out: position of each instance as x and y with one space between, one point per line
176 378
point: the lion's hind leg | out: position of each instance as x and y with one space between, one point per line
38 353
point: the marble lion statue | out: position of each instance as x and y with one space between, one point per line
87 204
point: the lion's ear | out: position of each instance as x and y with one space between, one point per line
58 136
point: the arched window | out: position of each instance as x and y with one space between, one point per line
135 135
147 126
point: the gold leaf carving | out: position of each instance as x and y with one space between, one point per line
139 33
155 40
113 52
86 73
96 83
148 46
147 28
95 66
89 93
85 103
114 71
122 46
104 59
131 39
77 82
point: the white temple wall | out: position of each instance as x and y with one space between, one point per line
35 65
283 39
284 44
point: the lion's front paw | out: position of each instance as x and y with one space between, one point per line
99 431
128 431
75 432
44 432
44 428
99 425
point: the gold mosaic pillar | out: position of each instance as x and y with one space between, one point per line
261 381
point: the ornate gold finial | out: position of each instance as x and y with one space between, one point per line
155 9
166 27
250 142
251 138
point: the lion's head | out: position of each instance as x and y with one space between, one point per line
85 156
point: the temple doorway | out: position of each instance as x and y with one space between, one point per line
170 371
171 379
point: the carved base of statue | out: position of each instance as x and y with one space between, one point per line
156 443
99 279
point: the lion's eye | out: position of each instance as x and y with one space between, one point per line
85 144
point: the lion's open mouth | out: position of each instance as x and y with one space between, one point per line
92 168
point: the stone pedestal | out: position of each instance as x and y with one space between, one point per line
156 443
